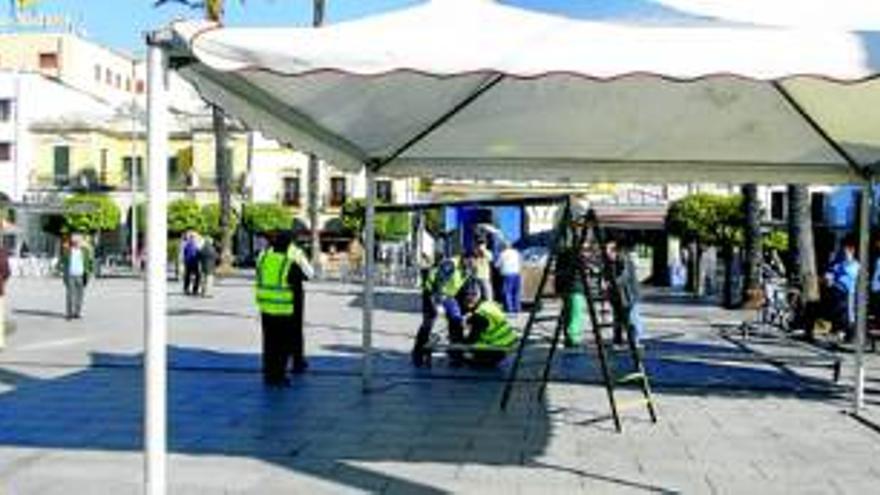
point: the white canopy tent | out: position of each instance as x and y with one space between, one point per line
475 89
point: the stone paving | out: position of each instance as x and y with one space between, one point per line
70 409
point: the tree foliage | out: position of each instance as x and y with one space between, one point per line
211 220
90 213
389 226
709 219
183 215
260 218
777 240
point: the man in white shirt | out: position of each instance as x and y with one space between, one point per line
510 264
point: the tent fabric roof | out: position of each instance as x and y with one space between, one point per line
472 88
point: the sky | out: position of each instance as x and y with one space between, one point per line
120 24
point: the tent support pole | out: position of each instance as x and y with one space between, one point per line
793 103
486 86
155 331
369 269
862 294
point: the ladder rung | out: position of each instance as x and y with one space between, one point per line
547 319
628 404
631 377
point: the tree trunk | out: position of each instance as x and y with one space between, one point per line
803 274
223 172
752 256
728 253
660 260
695 253
314 169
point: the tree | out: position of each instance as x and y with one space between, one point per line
389 226
752 257
90 214
802 268
260 218
211 220
214 11
708 220
314 166
352 214
184 215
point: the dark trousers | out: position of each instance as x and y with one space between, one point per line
191 278
511 289
277 348
297 341
429 317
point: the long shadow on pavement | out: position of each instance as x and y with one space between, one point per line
323 426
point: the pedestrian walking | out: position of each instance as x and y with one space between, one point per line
625 297
510 266
275 300
77 265
301 271
5 273
207 266
191 274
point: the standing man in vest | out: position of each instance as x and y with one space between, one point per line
275 299
489 333
440 290
301 270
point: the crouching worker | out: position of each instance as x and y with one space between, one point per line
275 299
489 334
439 292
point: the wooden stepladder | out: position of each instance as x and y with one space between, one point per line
597 283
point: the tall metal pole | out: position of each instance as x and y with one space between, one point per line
369 252
155 339
862 295
134 195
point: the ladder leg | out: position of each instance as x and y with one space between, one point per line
560 327
606 376
514 368
639 364
558 241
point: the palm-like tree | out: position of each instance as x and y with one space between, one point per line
753 254
214 11
802 251
314 166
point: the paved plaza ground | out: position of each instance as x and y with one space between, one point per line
71 401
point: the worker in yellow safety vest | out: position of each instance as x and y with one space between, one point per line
490 335
275 299
440 290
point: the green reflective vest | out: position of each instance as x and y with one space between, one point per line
274 294
498 333
450 286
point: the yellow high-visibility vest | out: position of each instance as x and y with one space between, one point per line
274 296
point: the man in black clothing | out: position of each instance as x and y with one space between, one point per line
300 271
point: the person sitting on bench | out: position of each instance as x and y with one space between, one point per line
440 290
490 337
